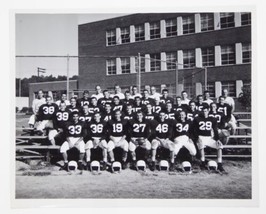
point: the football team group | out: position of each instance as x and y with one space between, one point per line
130 120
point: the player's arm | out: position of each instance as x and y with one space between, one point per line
215 129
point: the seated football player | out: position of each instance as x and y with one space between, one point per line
129 114
207 98
85 100
179 106
117 129
158 106
63 100
192 112
222 125
117 104
135 93
60 122
74 131
204 125
96 137
165 98
93 107
182 135
36 103
85 115
107 112
106 98
184 97
137 106
149 114
73 105
146 98
162 133
170 113
128 99
226 109
46 115
200 104
139 131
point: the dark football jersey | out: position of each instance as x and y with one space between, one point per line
166 100
128 116
82 101
107 116
226 109
162 129
136 108
75 129
221 119
93 109
151 116
95 129
61 119
117 128
85 117
201 106
182 107
127 102
204 126
104 100
120 107
171 115
72 109
182 128
191 115
47 112
158 108
147 101
139 129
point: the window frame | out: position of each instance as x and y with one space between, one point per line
226 19
171 29
112 71
246 21
170 60
191 60
155 63
138 35
125 35
247 51
112 42
155 30
206 61
125 65
208 18
190 24
228 55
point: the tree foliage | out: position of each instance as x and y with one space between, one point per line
245 97
33 79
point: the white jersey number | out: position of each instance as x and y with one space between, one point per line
205 125
62 116
117 127
162 128
139 127
48 110
181 128
96 128
75 129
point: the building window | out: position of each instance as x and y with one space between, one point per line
189 58
231 87
111 66
208 56
227 20
188 25
246 53
155 62
125 35
125 65
210 88
142 64
228 55
171 27
155 30
206 21
245 18
111 37
171 59
139 33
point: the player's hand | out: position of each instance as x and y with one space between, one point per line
219 143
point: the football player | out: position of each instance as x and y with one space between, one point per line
162 130
98 93
46 115
137 106
179 106
165 98
149 114
36 103
154 95
107 112
158 106
118 93
129 114
135 93
207 98
192 112
184 97
85 100
117 129
128 99
73 105
170 113
106 98
85 115
200 104
146 98
75 131
204 125
182 135
93 107
63 100
97 133
139 131
117 104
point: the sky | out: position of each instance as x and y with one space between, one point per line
50 34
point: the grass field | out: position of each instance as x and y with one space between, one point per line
42 181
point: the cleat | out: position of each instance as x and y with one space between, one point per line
65 167
172 167
104 166
203 166
124 165
88 165
80 165
221 169
153 166
134 165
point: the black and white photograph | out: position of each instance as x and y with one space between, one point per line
153 105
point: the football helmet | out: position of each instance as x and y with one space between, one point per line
186 166
212 165
72 165
164 165
95 166
116 167
141 165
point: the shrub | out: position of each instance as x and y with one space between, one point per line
245 97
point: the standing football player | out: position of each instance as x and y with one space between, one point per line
75 131
154 95
118 93
63 100
135 93
106 98
203 126
146 98
98 93
207 98
165 98
200 104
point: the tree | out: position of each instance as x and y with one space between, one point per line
245 97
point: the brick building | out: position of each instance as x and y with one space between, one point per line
221 42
